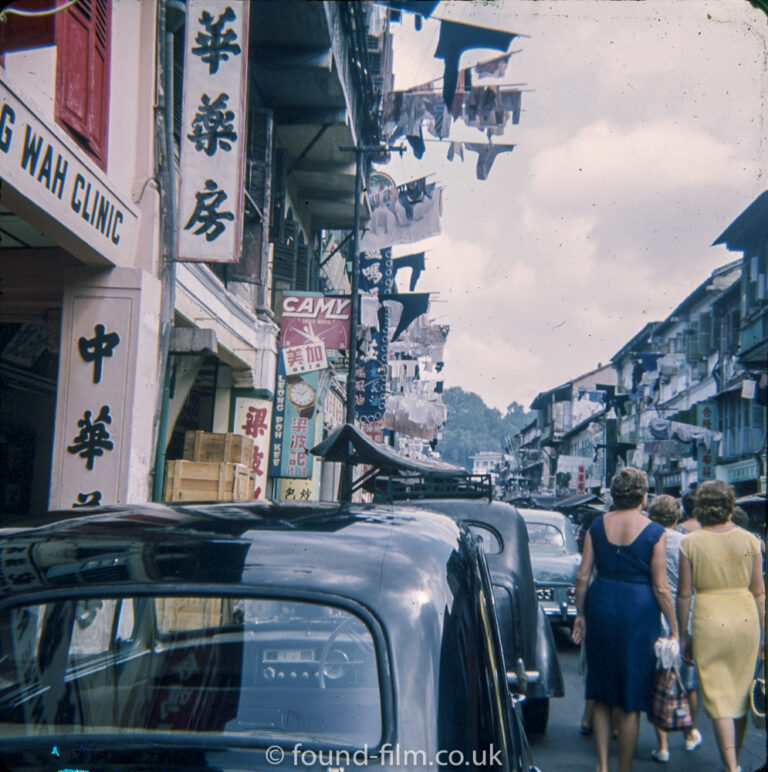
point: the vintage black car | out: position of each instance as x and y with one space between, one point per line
529 646
530 651
259 638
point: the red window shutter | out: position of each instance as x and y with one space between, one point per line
82 74
19 33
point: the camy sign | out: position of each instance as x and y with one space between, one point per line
313 318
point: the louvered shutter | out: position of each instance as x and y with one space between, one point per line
82 73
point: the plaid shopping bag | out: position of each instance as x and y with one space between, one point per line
670 710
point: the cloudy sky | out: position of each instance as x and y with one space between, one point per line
642 136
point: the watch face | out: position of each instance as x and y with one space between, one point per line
301 394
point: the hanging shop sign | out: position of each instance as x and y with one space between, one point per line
304 359
213 131
253 418
312 318
376 275
107 350
706 454
293 430
39 164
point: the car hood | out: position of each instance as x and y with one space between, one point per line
555 566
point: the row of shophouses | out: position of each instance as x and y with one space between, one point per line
684 399
129 317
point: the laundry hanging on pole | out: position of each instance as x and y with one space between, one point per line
486 154
493 68
415 262
455 38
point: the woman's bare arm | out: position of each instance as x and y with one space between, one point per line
757 588
582 583
684 596
661 585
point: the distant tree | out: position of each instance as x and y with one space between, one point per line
472 426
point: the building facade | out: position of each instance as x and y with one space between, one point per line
129 315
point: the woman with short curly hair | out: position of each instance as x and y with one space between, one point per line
618 613
723 563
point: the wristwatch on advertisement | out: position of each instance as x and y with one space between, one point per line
301 395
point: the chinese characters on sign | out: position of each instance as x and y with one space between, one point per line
371 372
293 429
213 137
92 438
253 418
706 454
302 359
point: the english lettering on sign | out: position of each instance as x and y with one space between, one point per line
41 166
311 307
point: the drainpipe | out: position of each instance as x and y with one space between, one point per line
171 16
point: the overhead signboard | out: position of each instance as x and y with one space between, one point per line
213 131
40 165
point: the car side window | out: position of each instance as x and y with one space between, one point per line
92 630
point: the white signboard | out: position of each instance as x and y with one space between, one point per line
253 418
213 128
303 359
41 167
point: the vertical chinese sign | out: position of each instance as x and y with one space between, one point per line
376 276
293 428
253 418
213 131
103 434
706 453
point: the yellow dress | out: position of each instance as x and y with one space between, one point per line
726 627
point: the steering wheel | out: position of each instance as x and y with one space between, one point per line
326 650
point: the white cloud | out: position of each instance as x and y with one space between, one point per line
642 137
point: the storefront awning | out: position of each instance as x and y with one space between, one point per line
348 444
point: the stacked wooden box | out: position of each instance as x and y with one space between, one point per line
215 467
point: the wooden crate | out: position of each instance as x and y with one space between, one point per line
207 481
225 448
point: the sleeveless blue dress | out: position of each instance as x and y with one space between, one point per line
623 620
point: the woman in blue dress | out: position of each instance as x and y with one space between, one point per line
618 613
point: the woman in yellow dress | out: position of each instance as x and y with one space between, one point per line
723 564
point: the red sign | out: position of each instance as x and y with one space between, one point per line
315 319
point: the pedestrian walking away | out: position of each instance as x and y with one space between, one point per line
666 510
723 564
618 613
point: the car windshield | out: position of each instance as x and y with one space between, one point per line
241 667
544 535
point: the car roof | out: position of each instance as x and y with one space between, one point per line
315 548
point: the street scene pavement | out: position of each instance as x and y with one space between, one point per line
564 749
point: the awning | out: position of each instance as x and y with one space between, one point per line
348 439
580 500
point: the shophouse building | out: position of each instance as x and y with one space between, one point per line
152 217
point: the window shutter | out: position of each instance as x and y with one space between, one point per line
82 74
20 33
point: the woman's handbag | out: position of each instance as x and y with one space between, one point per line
757 702
670 709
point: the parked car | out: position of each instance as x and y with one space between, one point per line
255 637
529 645
556 559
